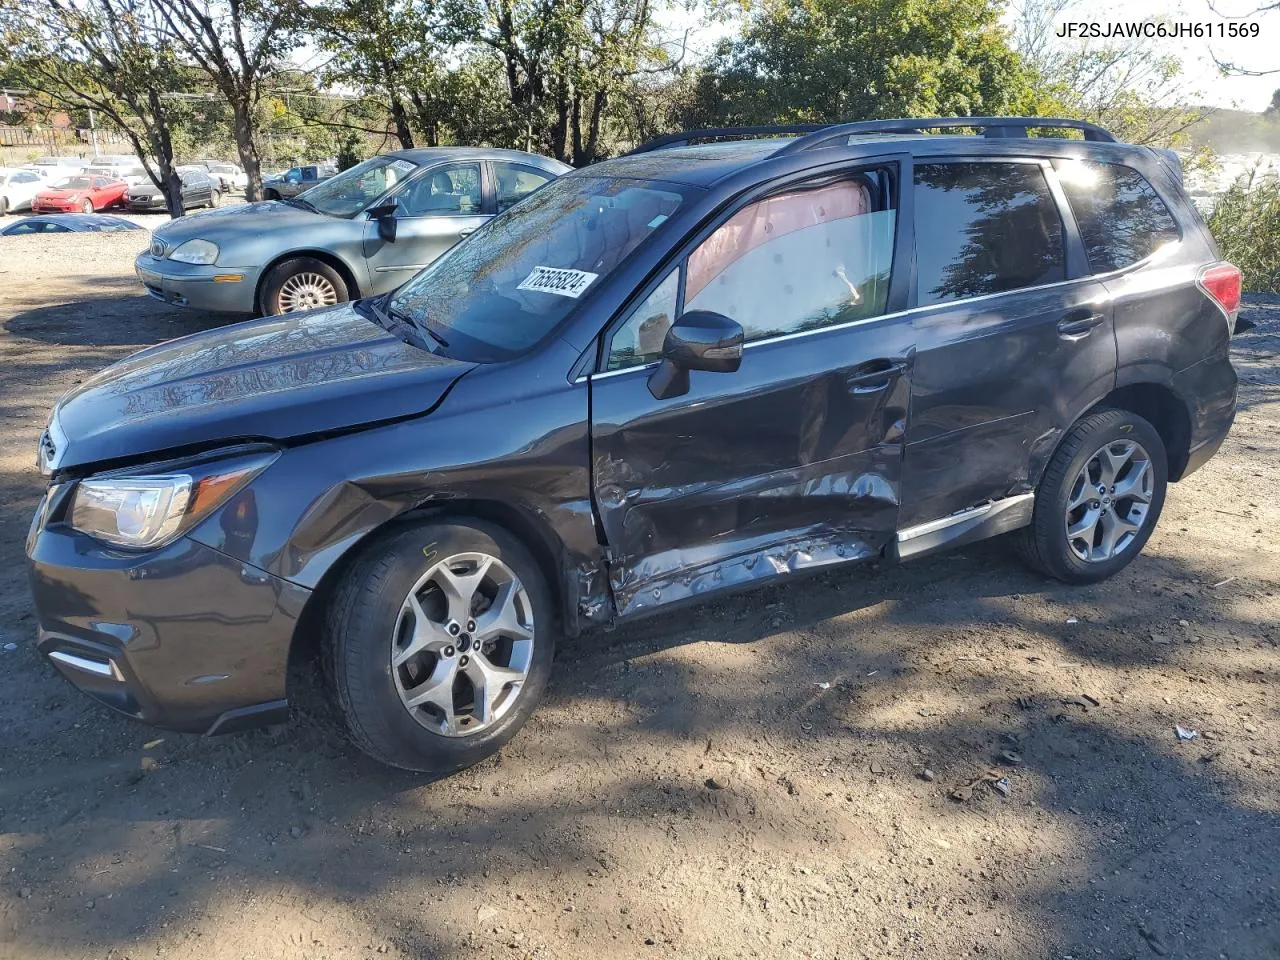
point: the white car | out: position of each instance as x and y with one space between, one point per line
17 187
55 168
131 172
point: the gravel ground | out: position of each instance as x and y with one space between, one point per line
742 779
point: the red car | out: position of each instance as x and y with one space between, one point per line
80 194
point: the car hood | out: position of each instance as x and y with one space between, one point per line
248 220
276 378
60 194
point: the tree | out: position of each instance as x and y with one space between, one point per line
1273 111
840 60
567 65
391 50
240 45
107 56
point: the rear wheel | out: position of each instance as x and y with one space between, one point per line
270 195
301 284
439 643
1099 499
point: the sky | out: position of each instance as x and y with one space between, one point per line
1201 74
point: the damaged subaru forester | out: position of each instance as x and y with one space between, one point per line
726 358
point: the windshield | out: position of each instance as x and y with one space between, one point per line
513 281
72 183
352 190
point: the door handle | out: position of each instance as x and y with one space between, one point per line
1079 323
875 374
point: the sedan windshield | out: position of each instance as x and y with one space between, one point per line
353 190
511 283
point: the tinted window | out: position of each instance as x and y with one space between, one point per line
1121 218
798 261
515 183
984 228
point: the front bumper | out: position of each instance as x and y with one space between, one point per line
58 207
196 285
146 204
184 637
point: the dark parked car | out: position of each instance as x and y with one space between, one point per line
294 180
68 223
198 190
692 369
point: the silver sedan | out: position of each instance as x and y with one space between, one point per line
362 232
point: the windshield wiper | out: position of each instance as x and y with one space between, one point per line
390 322
402 317
305 204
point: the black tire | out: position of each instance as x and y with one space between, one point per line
269 300
86 206
1044 545
270 195
361 620
4 206
214 198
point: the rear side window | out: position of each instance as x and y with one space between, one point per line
1121 217
984 228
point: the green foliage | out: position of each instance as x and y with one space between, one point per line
829 60
1246 224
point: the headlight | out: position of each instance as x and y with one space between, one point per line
196 251
147 511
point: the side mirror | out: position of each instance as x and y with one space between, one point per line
385 214
699 340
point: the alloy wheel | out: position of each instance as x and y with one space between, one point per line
306 291
463 644
1110 501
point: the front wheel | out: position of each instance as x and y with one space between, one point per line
86 206
1099 498
301 284
214 198
439 644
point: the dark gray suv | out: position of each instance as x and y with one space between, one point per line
692 369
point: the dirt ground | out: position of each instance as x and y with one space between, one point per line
742 779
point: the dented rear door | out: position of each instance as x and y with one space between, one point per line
793 461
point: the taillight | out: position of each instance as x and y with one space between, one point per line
1222 283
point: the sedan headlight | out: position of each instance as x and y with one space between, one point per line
196 251
147 511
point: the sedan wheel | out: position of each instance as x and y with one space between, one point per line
87 206
306 291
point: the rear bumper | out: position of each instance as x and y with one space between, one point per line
184 638
1209 388
198 286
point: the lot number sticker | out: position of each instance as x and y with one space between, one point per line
558 280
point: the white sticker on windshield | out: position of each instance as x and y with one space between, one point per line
558 280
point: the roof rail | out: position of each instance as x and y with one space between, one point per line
992 127
724 133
